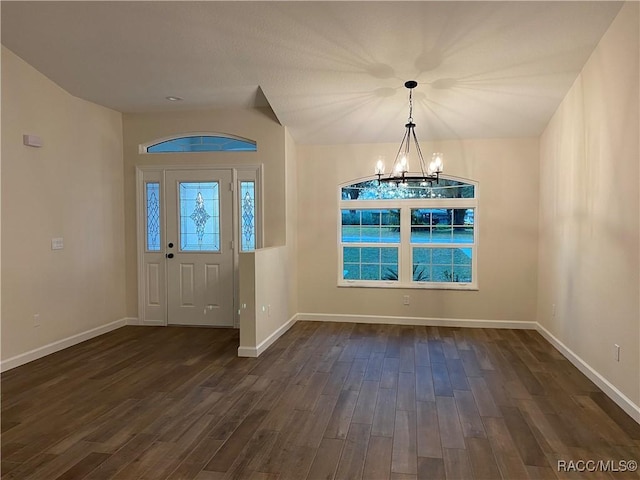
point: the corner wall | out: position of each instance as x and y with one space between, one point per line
269 276
589 261
71 187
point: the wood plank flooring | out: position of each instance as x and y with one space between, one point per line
326 401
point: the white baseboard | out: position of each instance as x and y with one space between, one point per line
421 321
256 351
56 346
609 389
132 321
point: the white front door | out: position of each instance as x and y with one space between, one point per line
192 224
199 247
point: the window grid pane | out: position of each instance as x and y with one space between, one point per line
439 225
371 226
370 263
247 216
442 264
153 216
199 216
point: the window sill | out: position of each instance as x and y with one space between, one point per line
414 286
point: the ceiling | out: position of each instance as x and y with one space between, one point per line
333 72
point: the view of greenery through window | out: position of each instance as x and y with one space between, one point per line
437 239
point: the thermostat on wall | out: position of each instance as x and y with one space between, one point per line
32 140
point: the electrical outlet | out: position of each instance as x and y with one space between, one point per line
36 320
616 352
553 311
405 300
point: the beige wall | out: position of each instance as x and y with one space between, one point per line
248 308
268 277
507 172
291 181
255 124
264 298
72 187
589 215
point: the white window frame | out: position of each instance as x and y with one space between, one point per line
405 267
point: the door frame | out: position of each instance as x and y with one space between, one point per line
238 173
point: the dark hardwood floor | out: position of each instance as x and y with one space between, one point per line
327 400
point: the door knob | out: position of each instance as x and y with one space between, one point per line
170 245
169 255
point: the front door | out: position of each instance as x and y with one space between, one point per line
199 247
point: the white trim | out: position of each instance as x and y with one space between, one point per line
248 352
466 287
259 349
607 387
158 167
420 321
58 345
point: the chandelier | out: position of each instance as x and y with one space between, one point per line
400 171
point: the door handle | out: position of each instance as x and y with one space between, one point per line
169 255
170 245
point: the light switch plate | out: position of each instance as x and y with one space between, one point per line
57 243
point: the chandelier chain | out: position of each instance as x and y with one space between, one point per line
410 105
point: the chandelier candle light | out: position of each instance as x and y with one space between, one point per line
400 172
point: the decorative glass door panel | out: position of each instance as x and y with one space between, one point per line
152 197
199 234
248 216
199 216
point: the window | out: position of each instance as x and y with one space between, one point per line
152 197
362 233
201 143
247 216
415 235
199 205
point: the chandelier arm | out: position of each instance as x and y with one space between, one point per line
404 138
423 167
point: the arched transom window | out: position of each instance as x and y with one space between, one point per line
416 235
199 142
